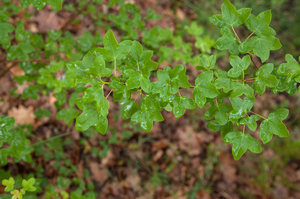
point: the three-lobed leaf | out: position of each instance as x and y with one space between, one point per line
230 17
274 125
241 142
264 78
238 65
90 116
291 69
204 88
218 111
260 46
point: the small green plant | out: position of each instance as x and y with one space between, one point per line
241 85
27 185
127 67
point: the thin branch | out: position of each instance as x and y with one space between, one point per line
249 80
29 60
258 115
109 93
253 61
64 26
7 70
249 36
52 138
236 34
18 61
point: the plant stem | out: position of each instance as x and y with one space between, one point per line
236 34
249 36
109 93
115 66
258 115
64 26
52 138
253 61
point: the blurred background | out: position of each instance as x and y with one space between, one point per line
179 158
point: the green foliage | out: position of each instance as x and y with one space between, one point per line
18 193
274 125
127 69
241 142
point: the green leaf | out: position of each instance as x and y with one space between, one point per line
9 184
240 107
250 121
130 107
21 34
219 112
119 88
240 88
25 3
4 36
95 93
56 4
28 185
98 68
127 134
149 112
179 105
207 62
90 116
260 46
215 126
68 115
31 92
170 81
6 124
282 85
79 67
39 4
291 69
241 142
238 65
274 125
137 79
19 51
227 41
140 59
42 113
178 78
223 81
204 88
112 50
85 43
230 16
264 78
260 24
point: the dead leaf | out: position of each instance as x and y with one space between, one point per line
188 141
47 20
22 115
134 180
98 174
161 144
108 160
180 14
157 155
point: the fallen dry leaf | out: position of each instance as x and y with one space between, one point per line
158 155
160 144
188 141
180 14
22 115
98 174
